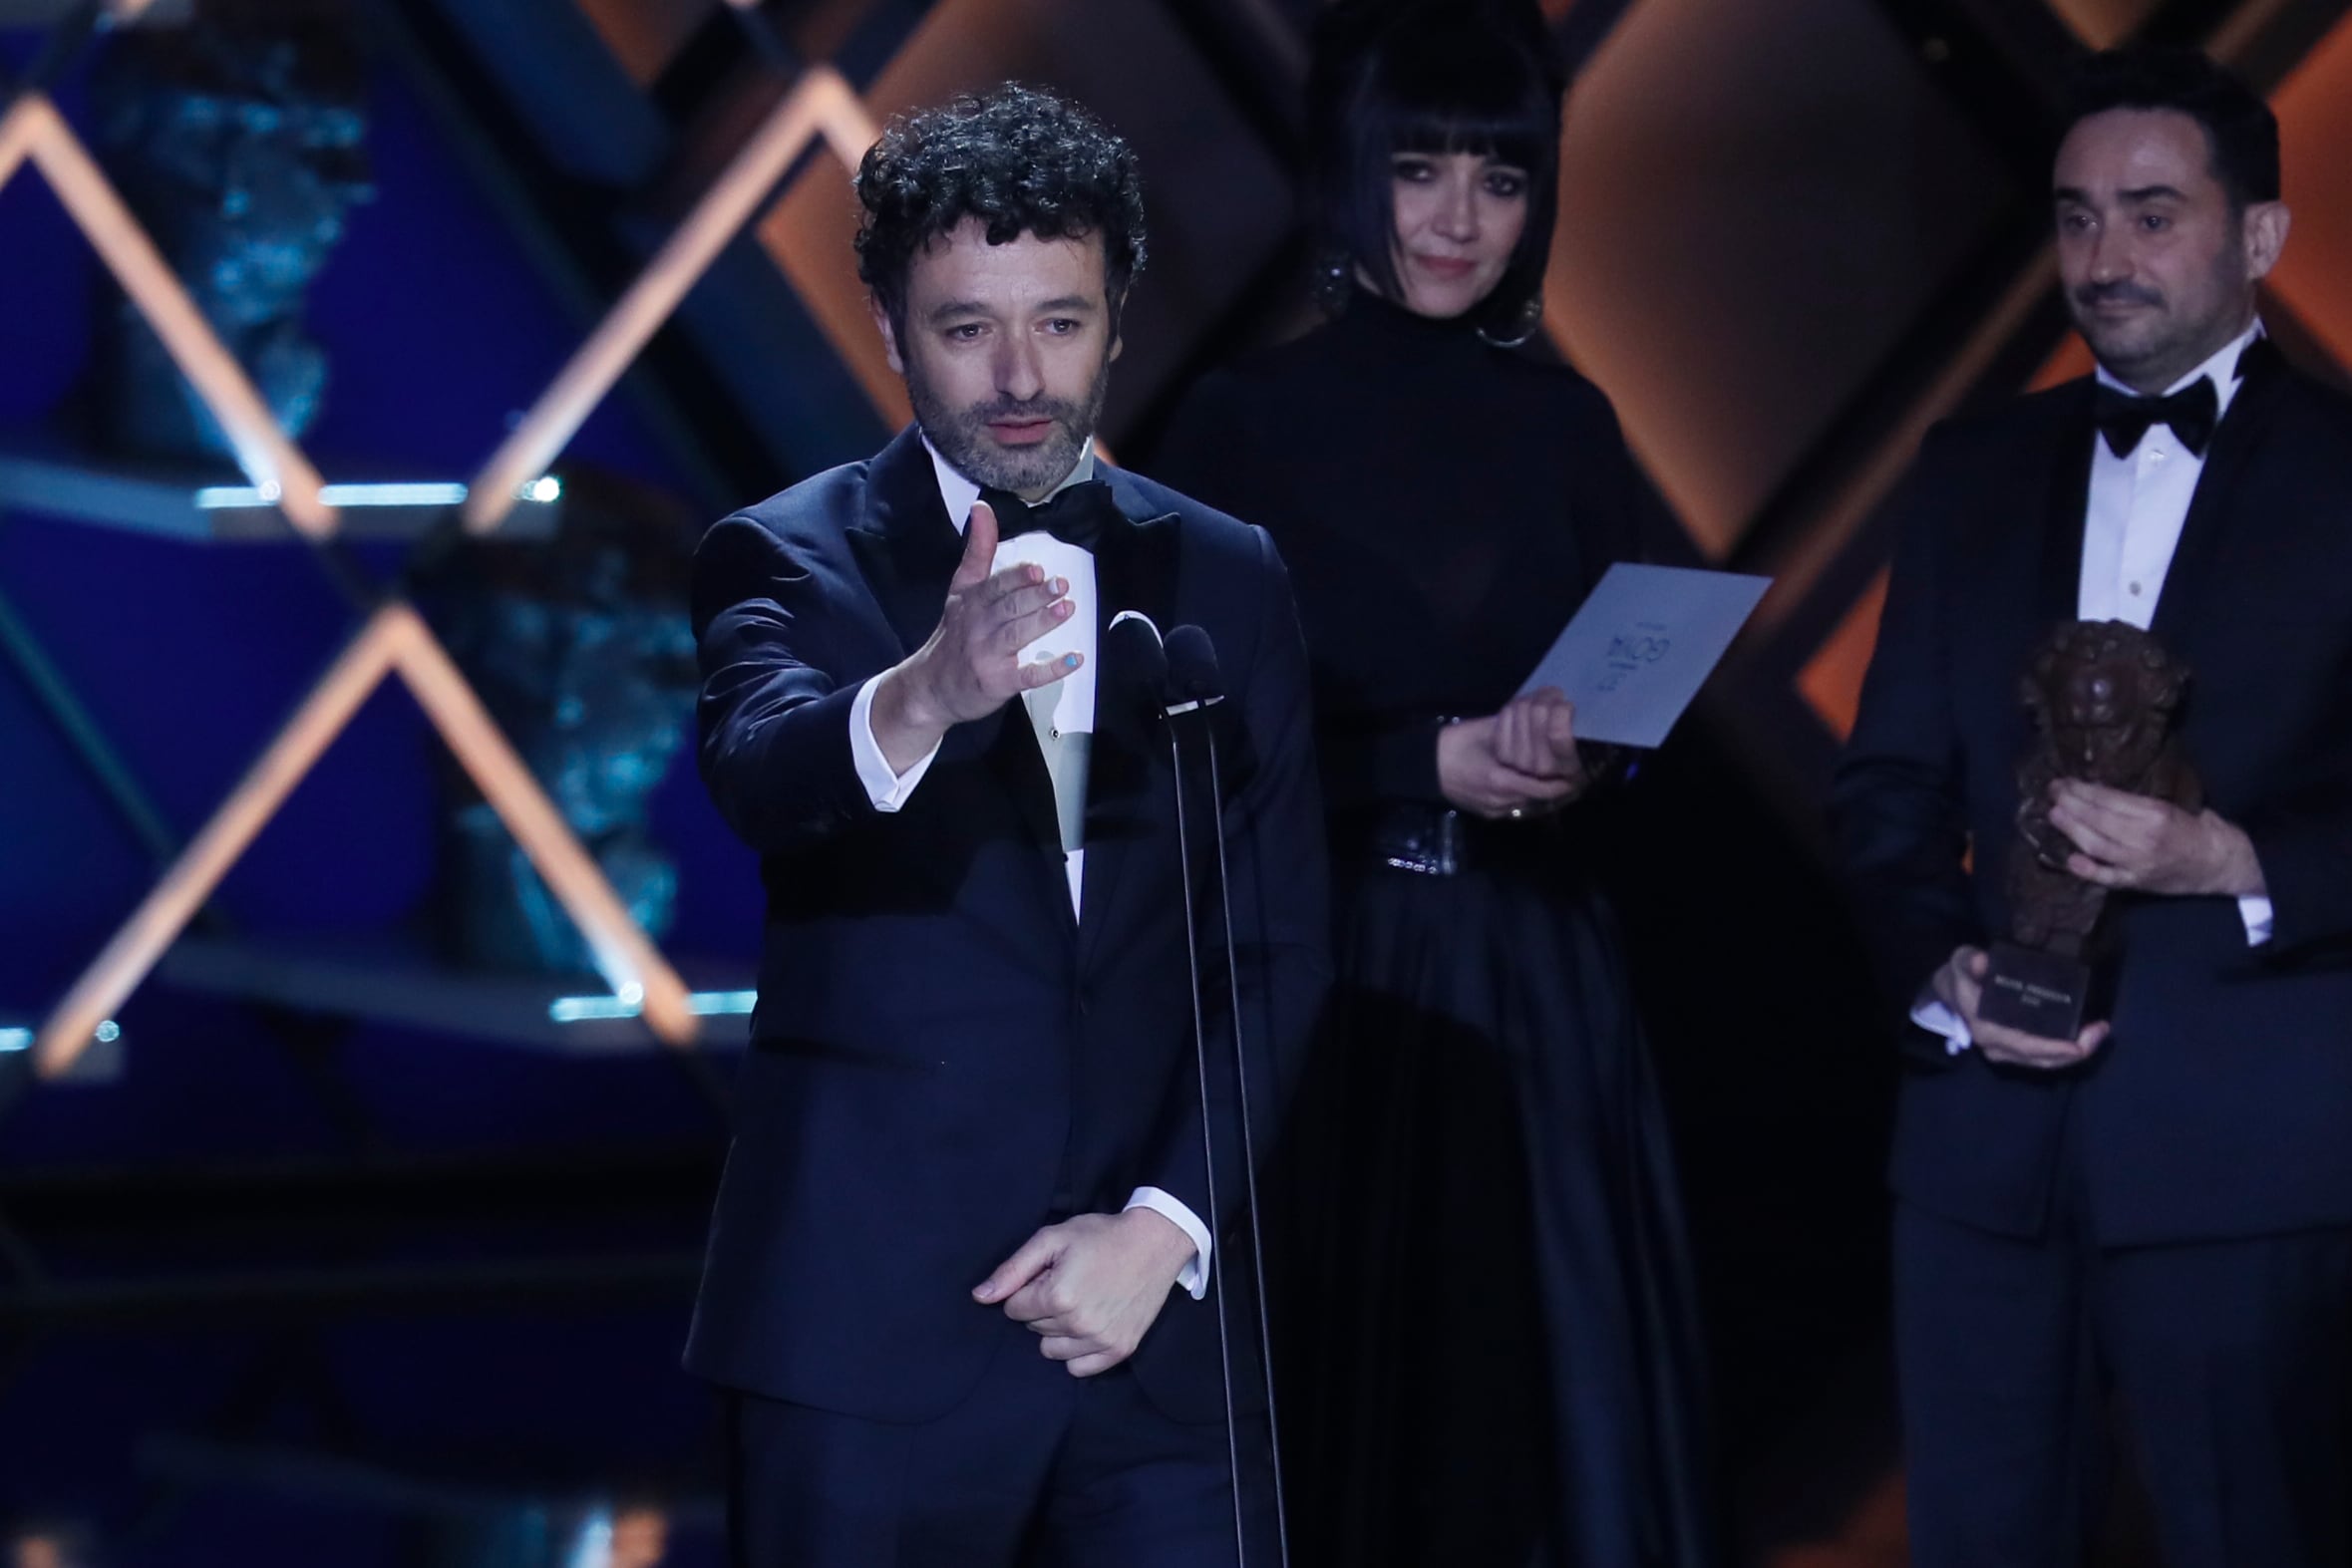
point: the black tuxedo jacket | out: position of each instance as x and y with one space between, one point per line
944 1058
2221 1104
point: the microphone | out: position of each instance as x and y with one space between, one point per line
1142 651
1192 679
1195 685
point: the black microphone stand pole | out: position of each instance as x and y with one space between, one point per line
1150 658
1194 676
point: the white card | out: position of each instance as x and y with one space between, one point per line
1642 645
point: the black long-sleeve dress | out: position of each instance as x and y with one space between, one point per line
1489 1347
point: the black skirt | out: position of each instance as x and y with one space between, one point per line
1489 1342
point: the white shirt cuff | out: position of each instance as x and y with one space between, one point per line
1195 1278
2258 917
888 790
1937 1018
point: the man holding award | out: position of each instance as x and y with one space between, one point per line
2098 813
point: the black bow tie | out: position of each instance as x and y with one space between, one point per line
2124 419
1078 514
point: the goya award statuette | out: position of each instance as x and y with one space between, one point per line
2105 699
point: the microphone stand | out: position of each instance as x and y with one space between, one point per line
1194 679
1152 660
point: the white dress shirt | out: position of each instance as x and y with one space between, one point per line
1063 717
2139 504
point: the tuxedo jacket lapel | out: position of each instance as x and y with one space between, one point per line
904 543
2235 441
1010 749
2211 521
908 552
2058 590
1129 798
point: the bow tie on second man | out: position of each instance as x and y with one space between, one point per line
1078 515
2124 419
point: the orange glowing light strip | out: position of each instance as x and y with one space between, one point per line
627 959
822 105
1836 523
175 900
395 638
1831 678
278 469
17 130
2237 35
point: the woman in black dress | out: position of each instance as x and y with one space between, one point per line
1489 1342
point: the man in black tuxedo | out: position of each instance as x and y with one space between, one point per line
956 1275
2160 1208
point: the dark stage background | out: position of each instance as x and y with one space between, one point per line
336 1245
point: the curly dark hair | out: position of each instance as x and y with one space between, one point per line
1022 160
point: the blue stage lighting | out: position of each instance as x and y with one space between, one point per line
703 1004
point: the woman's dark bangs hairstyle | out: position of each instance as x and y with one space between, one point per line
1483 78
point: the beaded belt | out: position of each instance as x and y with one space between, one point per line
1431 841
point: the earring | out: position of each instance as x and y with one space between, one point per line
1523 326
1333 283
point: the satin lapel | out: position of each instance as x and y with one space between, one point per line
904 543
2058 585
908 552
1010 751
2235 441
1130 802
